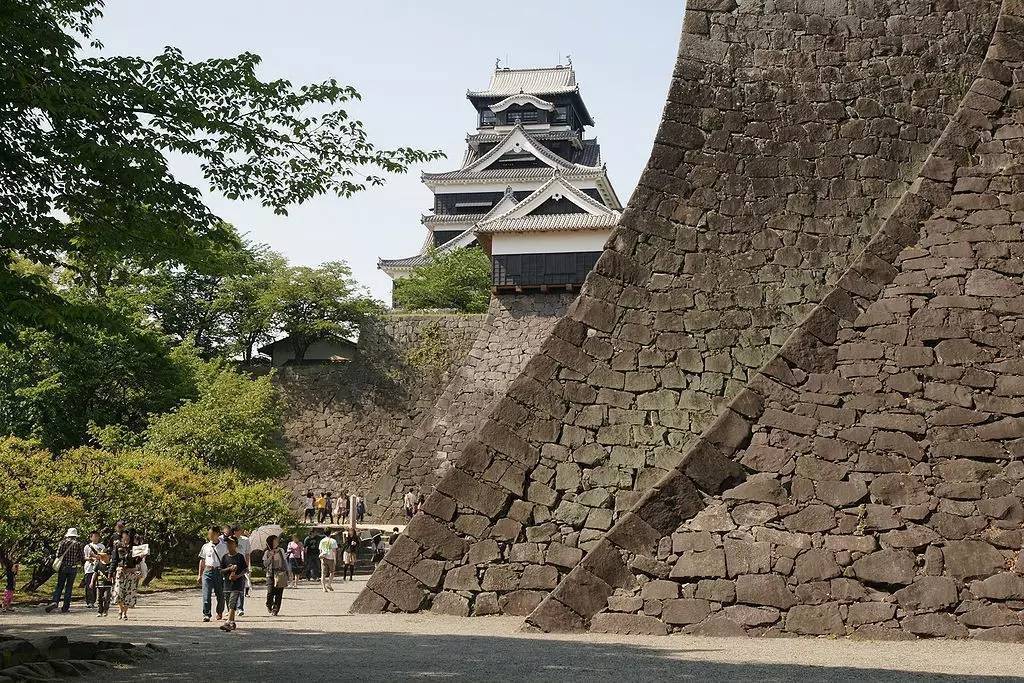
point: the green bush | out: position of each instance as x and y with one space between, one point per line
169 501
235 422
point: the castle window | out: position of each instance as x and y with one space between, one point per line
560 115
488 118
525 116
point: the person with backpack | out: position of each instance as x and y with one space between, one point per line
210 576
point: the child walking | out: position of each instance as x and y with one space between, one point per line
102 584
234 567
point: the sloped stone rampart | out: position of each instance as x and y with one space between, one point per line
512 333
791 131
346 422
869 480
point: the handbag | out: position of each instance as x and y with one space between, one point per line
57 563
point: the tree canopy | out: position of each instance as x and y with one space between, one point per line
459 279
84 142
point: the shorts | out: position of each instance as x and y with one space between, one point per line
348 557
233 598
327 565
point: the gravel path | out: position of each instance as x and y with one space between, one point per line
316 634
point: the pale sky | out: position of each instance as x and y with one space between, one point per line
413 61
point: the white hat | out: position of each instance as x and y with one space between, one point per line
72 533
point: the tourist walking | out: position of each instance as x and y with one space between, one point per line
307 515
311 553
341 509
328 551
245 549
279 574
409 500
321 509
114 537
329 506
393 537
125 566
92 551
210 577
10 574
348 555
70 556
360 509
234 567
379 548
296 556
102 583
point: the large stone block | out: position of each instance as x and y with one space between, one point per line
769 590
628 624
815 620
397 587
886 567
970 559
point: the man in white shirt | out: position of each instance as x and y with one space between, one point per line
328 561
210 576
91 551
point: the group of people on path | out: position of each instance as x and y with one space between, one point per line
112 567
225 569
321 553
324 508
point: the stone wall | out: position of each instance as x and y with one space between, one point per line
869 480
791 131
346 422
515 327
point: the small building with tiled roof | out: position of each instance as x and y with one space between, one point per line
532 190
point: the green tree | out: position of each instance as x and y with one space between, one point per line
235 422
88 137
186 301
313 304
53 387
459 279
247 301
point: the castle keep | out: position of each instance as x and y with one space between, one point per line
532 191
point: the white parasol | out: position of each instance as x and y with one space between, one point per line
258 538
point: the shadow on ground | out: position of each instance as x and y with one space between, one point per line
384 656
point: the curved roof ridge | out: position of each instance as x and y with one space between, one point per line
536 148
524 207
521 98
